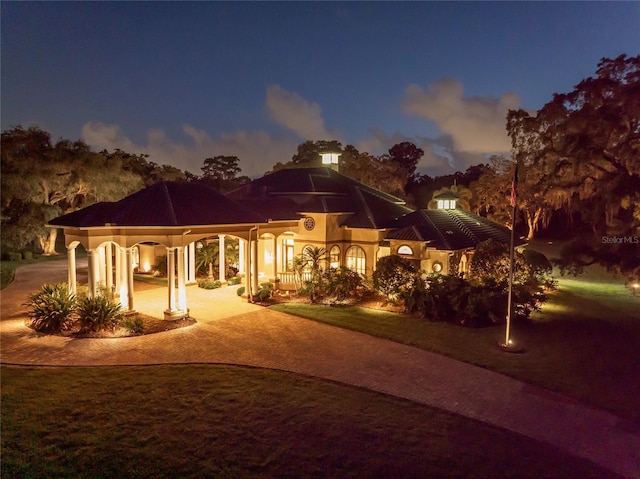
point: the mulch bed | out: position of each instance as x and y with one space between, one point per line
151 326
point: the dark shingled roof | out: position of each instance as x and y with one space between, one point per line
449 229
286 193
164 204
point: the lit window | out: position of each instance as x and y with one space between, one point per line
440 204
334 257
405 250
356 260
330 158
287 254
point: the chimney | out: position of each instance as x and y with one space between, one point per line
331 160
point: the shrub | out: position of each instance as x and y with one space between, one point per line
52 308
27 255
265 291
209 284
134 324
342 283
161 265
13 256
240 291
233 281
393 275
99 313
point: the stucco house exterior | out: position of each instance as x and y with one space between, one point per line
272 219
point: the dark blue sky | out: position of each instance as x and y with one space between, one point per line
185 81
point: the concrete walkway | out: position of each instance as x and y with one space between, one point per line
231 331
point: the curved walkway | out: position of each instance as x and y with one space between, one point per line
234 332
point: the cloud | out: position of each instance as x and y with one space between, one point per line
257 150
476 125
302 117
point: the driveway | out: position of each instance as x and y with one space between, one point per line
231 331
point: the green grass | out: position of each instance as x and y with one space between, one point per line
145 278
583 344
225 421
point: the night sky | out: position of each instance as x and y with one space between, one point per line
186 81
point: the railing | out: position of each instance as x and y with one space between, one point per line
289 277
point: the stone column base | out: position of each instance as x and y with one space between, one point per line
177 314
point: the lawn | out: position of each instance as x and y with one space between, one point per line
227 421
585 343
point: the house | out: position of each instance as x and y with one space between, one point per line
271 220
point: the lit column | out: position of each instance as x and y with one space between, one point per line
182 290
91 263
118 280
254 264
274 262
247 267
192 262
101 272
221 258
171 280
129 263
241 246
71 273
109 267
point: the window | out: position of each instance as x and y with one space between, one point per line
287 254
334 257
404 249
356 260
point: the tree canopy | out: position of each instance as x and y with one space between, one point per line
582 152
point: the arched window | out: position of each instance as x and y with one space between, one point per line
334 257
356 260
404 249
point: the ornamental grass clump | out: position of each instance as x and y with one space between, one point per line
52 308
99 313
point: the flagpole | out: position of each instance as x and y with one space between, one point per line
507 337
507 345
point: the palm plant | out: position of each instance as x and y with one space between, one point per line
52 308
315 258
207 256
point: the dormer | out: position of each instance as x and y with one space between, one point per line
331 159
446 201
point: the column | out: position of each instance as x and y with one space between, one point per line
274 259
129 272
91 261
247 268
254 264
221 259
109 267
101 271
182 290
192 262
118 279
171 280
241 255
71 266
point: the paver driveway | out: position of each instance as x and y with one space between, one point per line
234 332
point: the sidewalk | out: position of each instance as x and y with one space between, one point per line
231 331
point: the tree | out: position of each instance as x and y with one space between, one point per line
206 257
41 181
584 147
221 172
315 257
